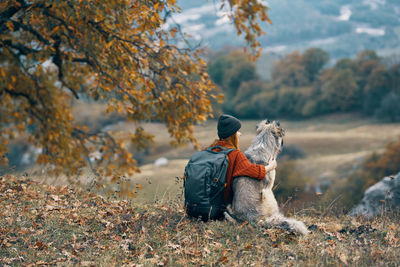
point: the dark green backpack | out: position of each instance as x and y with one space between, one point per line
205 183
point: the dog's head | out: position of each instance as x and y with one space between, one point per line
274 129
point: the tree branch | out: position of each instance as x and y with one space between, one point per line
8 13
23 50
31 101
32 31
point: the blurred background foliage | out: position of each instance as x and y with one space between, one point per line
302 86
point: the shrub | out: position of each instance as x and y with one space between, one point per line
241 105
292 152
264 104
377 86
290 182
389 109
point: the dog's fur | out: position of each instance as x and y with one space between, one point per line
253 200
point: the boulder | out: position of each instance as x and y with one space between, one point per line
381 197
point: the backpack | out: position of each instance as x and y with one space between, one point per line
205 183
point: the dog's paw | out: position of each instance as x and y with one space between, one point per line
229 217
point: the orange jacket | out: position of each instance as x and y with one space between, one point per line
239 165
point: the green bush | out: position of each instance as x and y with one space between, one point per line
292 152
389 109
377 86
265 105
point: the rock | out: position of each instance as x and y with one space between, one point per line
161 162
381 197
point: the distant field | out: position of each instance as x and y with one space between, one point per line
329 142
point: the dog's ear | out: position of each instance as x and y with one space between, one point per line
280 132
278 123
267 121
260 126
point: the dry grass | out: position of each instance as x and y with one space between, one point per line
47 225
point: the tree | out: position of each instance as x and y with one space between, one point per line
314 59
340 91
241 104
117 52
394 73
230 71
218 69
345 63
290 71
242 70
377 86
389 108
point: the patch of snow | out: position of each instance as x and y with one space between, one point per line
345 13
374 4
325 41
371 31
161 162
275 49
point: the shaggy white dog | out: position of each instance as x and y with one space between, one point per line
253 200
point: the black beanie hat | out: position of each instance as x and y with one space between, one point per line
227 126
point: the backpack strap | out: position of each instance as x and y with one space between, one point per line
224 150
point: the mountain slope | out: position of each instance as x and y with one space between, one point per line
343 28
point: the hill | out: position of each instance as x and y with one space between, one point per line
47 225
343 28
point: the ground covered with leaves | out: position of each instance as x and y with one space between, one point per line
46 225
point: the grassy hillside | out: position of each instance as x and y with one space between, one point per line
47 225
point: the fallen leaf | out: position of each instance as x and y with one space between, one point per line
343 258
51 208
55 197
223 259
